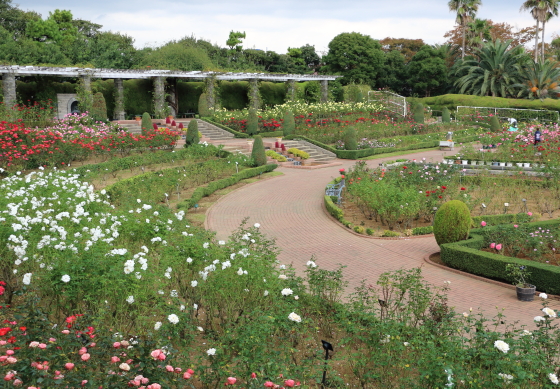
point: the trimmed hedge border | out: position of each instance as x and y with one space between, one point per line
207 190
356 154
467 256
494 220
236 133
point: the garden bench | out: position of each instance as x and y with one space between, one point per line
446 143
187 114
335 190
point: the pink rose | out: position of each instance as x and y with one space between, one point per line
34 344
530 213
178 370
115 359
65 332
169 368
231 380
69 366
483 223
18 382
289 383
190 371
515 226
82 351
9 352
92 344
155 354
9 377
269 384
85 357
42 346
253 375
187 375
84 382
499 246
52 340
154 386
11 360
116 344
492 245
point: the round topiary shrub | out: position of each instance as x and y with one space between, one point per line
252 122
192 133
445 115
495 124
350 139
419 113
146 123
258 154
452 222
289 123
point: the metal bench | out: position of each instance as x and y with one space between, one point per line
446 143
335 190
187 114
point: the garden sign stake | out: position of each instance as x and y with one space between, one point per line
327 346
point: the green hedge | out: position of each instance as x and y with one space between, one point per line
467 256
494 220
236 133
451 101
207 190
333 209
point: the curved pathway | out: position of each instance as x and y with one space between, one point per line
289 208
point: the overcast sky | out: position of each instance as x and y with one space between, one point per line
279 24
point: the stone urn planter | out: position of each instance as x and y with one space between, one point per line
526 292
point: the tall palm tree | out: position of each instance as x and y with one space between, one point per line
466 11
492 72
539 80
541 11
479 32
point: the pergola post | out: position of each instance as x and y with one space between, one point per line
85 96
324 91
254 97
159 97
119 113
291 90
211 93
9 89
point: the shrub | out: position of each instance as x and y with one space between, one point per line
445 115
359 229
495 124
203 110
274 155
192 133
390 234
258 155
350 139
252 122
370 231
298 153
422 230
146 123
289 123
99 108
452 222
419 113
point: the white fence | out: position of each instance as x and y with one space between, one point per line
519 114
391 101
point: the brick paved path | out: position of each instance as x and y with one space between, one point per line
289 208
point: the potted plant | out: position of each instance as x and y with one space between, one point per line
518 274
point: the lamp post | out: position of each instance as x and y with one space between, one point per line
328 347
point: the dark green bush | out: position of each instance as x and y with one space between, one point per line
422 230
252 122
495 124
258 154
390 234
452 222
370 231
359 229
494 220
333 209
99 108
445 115
419 113
192 133
146 123
289 123
350 139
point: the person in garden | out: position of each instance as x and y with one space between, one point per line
538 136
512 124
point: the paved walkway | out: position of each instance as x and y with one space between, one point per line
289 208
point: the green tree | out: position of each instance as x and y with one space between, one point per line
445 115
203 110
393 74
99 107
479 32
355 56
350 139
419 113
234 43
541 11
146 123
58 27
427 72
175 56
540 80
466 11
258 155
289 123
492 72
192 133
252 122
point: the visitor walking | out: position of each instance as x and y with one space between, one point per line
538 136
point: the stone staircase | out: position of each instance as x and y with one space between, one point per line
315 152
213 132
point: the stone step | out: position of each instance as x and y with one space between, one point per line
315 152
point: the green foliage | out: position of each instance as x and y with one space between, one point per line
336 212
350 139
495 124
539 80
390 234
359 229
289 123
234 95
203 110
99 109
356 93
445 115
192 133
226 128
176 56
274 155
452 222
423 230
252 122
370 231
419 113
494 220
298 153
146 123
258 154
357 57
427 72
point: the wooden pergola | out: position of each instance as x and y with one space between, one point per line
10 72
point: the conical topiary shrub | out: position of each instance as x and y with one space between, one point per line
350 139
192 133
252 122
452 222
495 124
203 110
99 108
445 115
419 113
289 123
259 154
146 123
